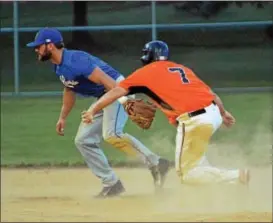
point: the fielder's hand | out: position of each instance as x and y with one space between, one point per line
60 127
228 119
87 117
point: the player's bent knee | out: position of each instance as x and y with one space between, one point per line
85 144
78 142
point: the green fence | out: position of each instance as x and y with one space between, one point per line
231 57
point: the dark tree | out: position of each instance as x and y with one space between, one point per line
80 15
209 9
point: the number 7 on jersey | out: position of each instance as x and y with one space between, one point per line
184 79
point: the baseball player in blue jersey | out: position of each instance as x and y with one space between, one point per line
86 75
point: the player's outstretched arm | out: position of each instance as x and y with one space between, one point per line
228 119
68 103
104 101
109 98
220 104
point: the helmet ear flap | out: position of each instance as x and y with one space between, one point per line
154 51
146 56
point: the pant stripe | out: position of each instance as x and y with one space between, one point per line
181 150
131 141
116 121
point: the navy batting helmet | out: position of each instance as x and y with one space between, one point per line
154 51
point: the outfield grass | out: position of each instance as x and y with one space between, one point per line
28 125
221 67
28 132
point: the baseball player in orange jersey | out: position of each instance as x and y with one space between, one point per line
188 103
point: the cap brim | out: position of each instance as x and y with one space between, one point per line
34 44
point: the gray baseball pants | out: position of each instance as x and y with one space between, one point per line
108 125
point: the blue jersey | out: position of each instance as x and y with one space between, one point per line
76 67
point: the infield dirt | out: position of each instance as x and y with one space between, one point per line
29 195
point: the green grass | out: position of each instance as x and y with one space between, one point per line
218 67
28 132
222 59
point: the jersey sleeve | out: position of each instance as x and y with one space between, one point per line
83 64
139 78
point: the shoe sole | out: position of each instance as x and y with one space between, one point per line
115 194
110 196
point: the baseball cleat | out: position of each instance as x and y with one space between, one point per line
111 191
159 172
244 176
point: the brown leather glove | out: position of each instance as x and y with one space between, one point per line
140 112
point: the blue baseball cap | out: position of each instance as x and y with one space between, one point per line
46 35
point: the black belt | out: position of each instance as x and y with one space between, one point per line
199 112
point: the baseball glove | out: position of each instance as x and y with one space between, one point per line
140 112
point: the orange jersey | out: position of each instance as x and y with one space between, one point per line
174 87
